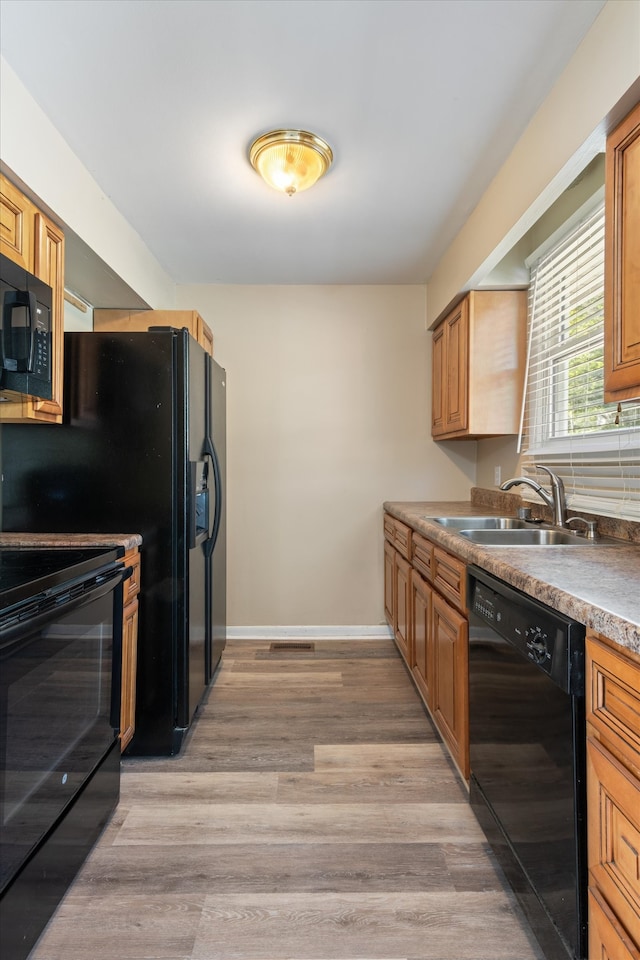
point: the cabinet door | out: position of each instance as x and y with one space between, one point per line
389 577
456 370
205 336
131 589
16 225
613 802
449 631
129 669
403 607
49 266
450 348
622 261
438 379
607 939
421 594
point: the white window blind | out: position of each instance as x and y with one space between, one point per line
593 446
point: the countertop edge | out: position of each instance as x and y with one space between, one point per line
128 541
554 585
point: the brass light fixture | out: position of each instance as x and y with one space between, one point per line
290 160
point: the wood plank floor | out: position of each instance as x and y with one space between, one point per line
313 814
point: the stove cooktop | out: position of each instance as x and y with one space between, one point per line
26 573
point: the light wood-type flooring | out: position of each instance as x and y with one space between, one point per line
313 815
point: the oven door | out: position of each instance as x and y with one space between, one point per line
59 709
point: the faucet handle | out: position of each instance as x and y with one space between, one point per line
557 481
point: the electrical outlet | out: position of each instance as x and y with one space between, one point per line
497 476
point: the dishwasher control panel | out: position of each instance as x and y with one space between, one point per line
546 637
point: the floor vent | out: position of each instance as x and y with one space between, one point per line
290 645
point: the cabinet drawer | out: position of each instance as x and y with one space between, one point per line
422 555
613 802
403 539
389 528
449 577
399 534
613 699
131 587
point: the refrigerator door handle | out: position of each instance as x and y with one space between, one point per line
197 510
210 451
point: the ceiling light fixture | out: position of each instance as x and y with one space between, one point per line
290 160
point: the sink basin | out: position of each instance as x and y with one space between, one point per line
524 538
480 523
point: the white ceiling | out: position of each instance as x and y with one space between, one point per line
421 101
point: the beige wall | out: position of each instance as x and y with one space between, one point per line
327 416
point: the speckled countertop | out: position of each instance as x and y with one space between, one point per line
596 584
34 540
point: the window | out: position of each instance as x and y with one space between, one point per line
594 446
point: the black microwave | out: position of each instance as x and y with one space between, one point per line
25 335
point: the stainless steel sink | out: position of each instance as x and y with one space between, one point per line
513 532
480 523
524 538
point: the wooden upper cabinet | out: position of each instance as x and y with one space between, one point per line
478 363
49 266
17 219
135 320
33 241
438 365
622 261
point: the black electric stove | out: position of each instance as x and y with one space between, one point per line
60 669
27 573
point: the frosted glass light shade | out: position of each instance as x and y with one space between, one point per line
290 160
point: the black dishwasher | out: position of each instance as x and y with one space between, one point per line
527 751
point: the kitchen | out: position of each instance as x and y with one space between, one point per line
283 448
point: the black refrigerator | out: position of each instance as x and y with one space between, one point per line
142 449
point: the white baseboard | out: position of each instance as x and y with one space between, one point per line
305 632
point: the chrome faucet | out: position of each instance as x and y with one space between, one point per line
554 500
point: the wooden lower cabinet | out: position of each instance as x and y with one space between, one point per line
425 606
403 608
131 590
613 801
421 594
607 939
397 583
450 632
389 580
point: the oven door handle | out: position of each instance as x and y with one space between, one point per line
49 609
